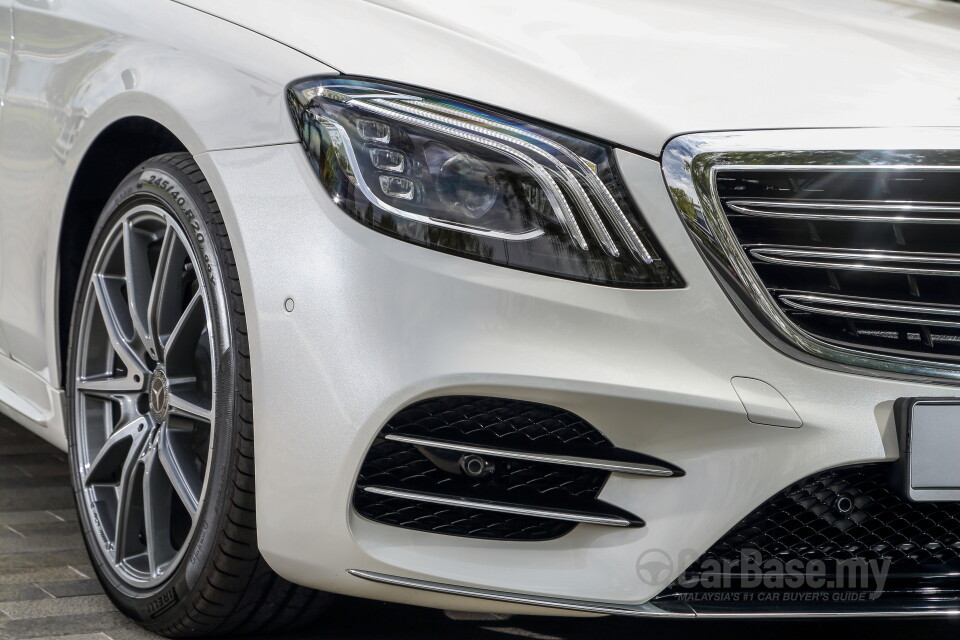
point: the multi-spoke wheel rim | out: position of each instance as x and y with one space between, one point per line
145 386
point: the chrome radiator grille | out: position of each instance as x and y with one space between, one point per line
866 258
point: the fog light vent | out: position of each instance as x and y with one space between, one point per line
494 468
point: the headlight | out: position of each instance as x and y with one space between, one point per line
471 181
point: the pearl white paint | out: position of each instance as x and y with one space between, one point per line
639 72
379 323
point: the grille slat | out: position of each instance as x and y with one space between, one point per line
887 212
870 309
863 258
929 264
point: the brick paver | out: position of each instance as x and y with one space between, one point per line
47 587
49 591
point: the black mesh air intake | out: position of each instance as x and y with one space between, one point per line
497 421
841 515
498 424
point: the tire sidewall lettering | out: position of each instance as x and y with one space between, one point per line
164 186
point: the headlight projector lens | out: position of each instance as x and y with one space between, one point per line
467 186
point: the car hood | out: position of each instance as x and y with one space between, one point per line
638 72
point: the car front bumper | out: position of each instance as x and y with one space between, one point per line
378 324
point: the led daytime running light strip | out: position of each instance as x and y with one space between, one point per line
340 141
584 171
564 173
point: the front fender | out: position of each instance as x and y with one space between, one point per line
79 67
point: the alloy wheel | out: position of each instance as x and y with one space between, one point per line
144 395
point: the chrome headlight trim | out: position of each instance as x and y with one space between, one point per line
690 164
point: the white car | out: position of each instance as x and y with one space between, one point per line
616 307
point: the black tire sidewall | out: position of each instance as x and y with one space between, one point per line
161 183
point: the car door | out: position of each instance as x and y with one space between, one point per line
6 48
6 39
34 129
37 127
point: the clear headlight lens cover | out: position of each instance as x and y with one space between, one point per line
471 181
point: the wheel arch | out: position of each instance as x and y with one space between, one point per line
92 91
116 151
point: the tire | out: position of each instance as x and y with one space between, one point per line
160 416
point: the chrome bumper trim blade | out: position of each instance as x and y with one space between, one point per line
573 461
499 507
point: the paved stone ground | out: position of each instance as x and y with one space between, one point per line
48 589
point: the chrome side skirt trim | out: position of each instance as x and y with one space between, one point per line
516 598
500 507
648 609
636 468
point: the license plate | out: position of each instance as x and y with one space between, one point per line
929 432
